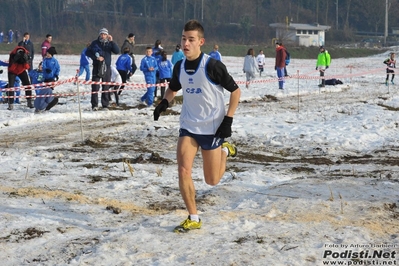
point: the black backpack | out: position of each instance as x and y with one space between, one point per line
21 57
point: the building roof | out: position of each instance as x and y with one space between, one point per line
299 26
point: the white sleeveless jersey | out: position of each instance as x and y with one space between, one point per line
203 107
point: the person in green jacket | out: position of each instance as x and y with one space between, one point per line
323 63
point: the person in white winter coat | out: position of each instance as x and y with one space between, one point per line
261 61
250 66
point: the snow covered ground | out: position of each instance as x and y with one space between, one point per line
315 182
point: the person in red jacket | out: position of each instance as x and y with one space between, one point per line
18 65
280 64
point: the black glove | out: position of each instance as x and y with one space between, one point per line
326 67
56 78
275 68
317 68
1 71
224 130
161 107
48 71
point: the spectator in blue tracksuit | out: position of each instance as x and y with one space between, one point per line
10 36
84 64
51 69
99 51
149 67
37 77
165 69
215 53
156 53
177 55
4 86
124 66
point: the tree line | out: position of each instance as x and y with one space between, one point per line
229 21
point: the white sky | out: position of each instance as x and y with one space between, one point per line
316 170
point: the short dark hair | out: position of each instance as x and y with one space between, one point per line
192 25
26 33
48 35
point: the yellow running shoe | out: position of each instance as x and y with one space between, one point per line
231 148
187 225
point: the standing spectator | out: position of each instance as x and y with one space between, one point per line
149 67
16 36
36 76
204 121
51 70
215 53
84 64
391 64
18 66
156 53
156 50
177 54
250 66
130 42
26 42
124 66
1 37
280 64
100 51
10 36
46 44
115 78
165 68
261 61
287 61
323 63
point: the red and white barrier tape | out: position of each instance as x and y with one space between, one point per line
128 86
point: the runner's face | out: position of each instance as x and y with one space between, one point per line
191 44
148 52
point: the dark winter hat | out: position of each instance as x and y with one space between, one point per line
321 47
178 46
279 43
103 31
52 50
131 35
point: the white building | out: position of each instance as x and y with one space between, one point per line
301 34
